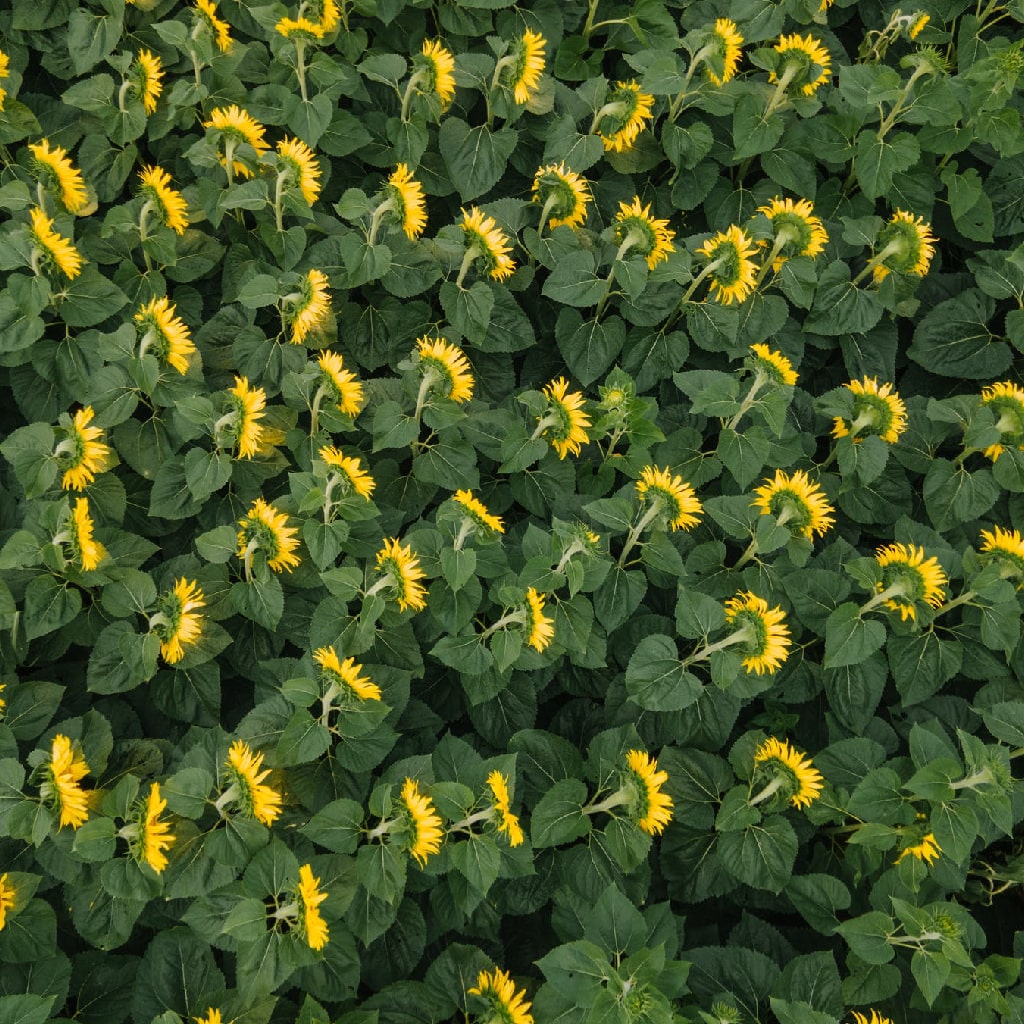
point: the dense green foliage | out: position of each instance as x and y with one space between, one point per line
751 474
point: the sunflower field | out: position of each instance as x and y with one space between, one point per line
511 513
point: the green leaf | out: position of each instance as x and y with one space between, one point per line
261 600
558 817
752 132
656 679
475 157
49 605
89 299
866 936
931 971
849 639
818 898
922 665
337 826
877 160
574 282
743 454
26 1009
761 855
588 347
953 496
953 339
840 307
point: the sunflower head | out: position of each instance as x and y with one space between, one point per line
347 471
60 787
309 897
803 61
340 384
170 204
146 74
401 570
564 422
724 43
653 808
54 249
218 28
676 499
734 275
267 530
796 779
474 510
908 577
447 369
247 407
797 231
309 308
507 822
488 242
235 127
635 228
82 453
921 846
178 623
624 116
506 1005
151 834
247 789
525 65
1006 400
88 551
405 194
540 628
771 365
877 409
564 195
343 678
797 502
905 245
1005 548
425 831
164 334
760 632
875 1018
438 68
300 164
59 176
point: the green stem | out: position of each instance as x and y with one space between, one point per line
300 67
748 402
378 216
965 598
122 95
779 97
467 261
410 90
143 219
317 399
638 528
739 637
278 197
895 246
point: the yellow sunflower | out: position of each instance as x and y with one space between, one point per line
89 551
926 849
506 1004
772 365
635 228
83 453
178 622
1006 548
765 638
797 231
248 405
236 126
57 174
310 307
267 530
147 73
906 245
1006 400
734 275
526 61
221 30
796 502
446 368
564 423
212 1015
60 788
346 392
302 167
402 572
541 628
626 112
349 471
908 577
654 808
476 512
485 240
799 778
171 205
424 823
563 195
302 27
53 247
5 72
877 409
8 891
875 1018
439 66
246 788
917 24
726 42
805 62
404 198
310 896
152 835
164 333
345 673
678 500
507 822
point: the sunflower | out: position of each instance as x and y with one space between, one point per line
309 307
1006 548
424 823
246 789
564 195
926 849
236 126
447 369
165 333
346 392
564 423
487 241
507 822
152 836
86 454
542 629
906 244
678 500
506 1005
310 896
734 275
345 673
629 110
439 67
248 406
877 409
60 788
330 15
797 231
476 512
636 228
348 470
804 60
179 625
405 196
302 27
58 174
5 72
797 502
207 10
654 808
147 72
802 781
1006 400
267 530
402 571
301 167
172 206
917 24
526 59
908 577
875 1018
89 552
54 247
772 365
8 898
212 1015
726 42
765 638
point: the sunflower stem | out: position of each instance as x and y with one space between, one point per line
752 549
143 235
229 794
463 535
314 425
965 598
429 380
278 198
41 196
898 106
122 95
699 57
638 528
250 550
609 108
741 635
768 792
896 590
472 820
410 90
895 246
378 215
617 799
782 239
779 97
748 401
300 67
588 25
197 68
467 261
695 283
229 159
381 830
332 482
549 205
518 617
